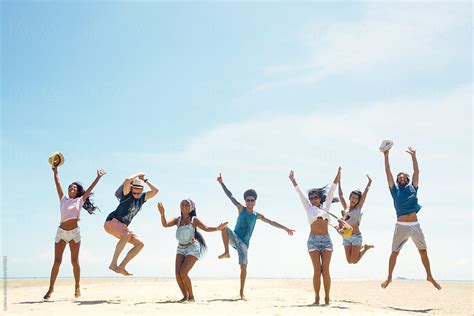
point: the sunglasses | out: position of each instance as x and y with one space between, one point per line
249 200
314 197
136 193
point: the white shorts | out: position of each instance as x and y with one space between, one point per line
68 235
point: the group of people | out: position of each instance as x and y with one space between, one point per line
191 243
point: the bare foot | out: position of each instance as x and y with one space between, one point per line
316 301
77 292
48 294
122 271
326 301
385 283
113 267
191 299
242 296
368 246
184 299
224 255
435 284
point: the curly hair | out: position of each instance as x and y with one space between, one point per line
88 203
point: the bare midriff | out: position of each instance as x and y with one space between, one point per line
408 218
355 229
70 224
319 227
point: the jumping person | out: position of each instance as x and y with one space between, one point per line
317 206
406 205
239 238
191 244
352 215
131 197
68 230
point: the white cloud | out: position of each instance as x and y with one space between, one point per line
401 36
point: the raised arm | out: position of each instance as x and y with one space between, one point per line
332 190
303 198
390 181
153 190
128 181
239 206
164 222
275 224
58 184
416 171
341 195
198 223
364 195
100 174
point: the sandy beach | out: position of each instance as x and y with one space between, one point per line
219 296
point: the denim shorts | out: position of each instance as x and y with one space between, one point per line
319 243
194 249
354 240
239 245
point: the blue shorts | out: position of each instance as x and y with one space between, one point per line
319 243
192 250
239 245
354 240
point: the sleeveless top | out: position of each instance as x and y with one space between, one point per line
185 233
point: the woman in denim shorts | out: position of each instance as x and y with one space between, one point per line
191 244
317 206
352 215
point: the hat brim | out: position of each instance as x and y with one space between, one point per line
386 145
56 159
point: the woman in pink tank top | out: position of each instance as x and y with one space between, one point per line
68 230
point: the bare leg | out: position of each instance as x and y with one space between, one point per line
177 268
187 265
137 247
348 250
74 247
225 241
326 260
426 264
391 265
316 260
243 276
360 252
118 250
58 257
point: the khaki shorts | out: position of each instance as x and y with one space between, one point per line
118 229
403 231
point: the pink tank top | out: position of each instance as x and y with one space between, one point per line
70 208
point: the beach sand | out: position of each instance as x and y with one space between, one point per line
130 296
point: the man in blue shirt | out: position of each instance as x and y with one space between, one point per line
239 238
405 201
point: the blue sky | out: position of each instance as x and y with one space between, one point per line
186 90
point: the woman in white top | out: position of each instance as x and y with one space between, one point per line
352 215
317 205
68 231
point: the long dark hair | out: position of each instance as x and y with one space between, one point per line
357 193
322 193
88 203
199 237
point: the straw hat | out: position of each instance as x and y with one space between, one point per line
56 159
386 145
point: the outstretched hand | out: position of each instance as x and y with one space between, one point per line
222 226
370 179
100 173
292 175
219 178
290 231
411 151
161 208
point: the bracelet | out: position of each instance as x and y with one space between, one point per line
146 180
